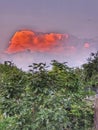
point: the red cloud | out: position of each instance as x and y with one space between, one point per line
29 40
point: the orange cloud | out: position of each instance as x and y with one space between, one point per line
29 40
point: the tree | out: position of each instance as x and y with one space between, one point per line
43 99
91 70
91 67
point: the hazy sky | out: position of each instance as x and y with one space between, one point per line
78 17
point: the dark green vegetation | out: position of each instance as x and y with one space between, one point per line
44 99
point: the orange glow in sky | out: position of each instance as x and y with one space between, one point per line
29 40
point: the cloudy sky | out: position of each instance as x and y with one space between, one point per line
79 18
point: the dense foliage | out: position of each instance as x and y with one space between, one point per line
91 70
44 99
